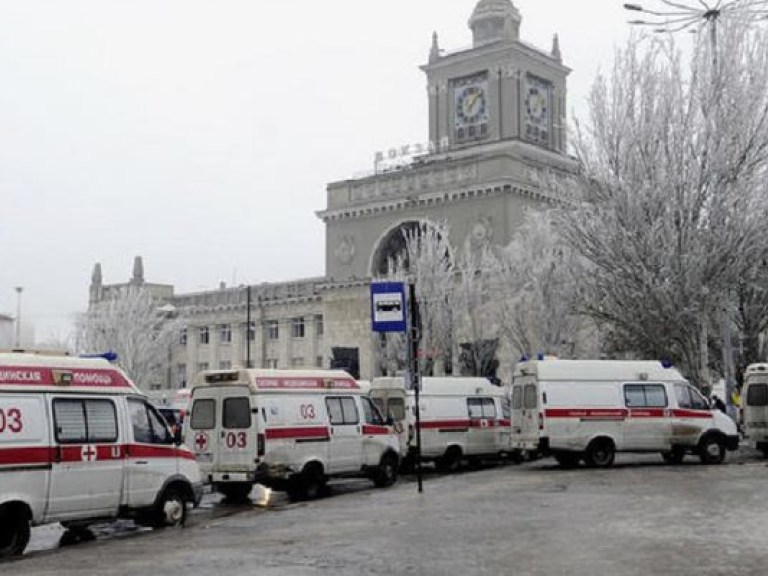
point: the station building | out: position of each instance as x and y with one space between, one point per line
496 122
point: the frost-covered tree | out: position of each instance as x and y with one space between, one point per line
137 327
474 311
669 206
535 290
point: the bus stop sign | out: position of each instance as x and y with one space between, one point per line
388 307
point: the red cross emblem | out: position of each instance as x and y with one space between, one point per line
201 441
88 453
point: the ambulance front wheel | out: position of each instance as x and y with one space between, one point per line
171 509
386 475
14 530
712 450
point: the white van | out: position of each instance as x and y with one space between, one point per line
754 411
287 429
80 443
591 409
461 418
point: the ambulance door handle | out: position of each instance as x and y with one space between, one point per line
142 462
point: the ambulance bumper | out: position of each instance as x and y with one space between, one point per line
226 477
273 475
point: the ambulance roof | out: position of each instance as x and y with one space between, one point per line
269 380
598 370
755 371
437 385
45 373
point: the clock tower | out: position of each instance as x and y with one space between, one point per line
500 89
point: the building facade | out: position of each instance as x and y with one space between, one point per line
496 122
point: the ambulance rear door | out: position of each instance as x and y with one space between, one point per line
224 429
525 412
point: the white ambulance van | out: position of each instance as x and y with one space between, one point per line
754 400
590 409
80 443
290 430
461 418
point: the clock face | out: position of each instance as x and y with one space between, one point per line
471 107
537 109
471 104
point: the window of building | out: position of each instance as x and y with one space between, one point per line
319 326
225 333
319 361
183 336
225 364
645 395
273 332
270 363
297 362
297 327
250 331
205 335
181 375
201 366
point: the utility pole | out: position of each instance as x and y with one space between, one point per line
248 327
17 343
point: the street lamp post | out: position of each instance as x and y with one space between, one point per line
692 16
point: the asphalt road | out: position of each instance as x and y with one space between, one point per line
640 517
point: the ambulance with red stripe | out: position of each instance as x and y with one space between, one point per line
291 430
590 409
461 418
80 443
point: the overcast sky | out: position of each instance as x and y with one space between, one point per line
201 134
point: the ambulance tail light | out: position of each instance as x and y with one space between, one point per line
541 420
260 448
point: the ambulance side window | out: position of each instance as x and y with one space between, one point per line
757 395
645 396
84 421
237 412
371 413
529 396
517 397
687 397
148 426
203 414
481 408
397 408
342 410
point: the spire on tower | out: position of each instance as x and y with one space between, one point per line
434 51
556 49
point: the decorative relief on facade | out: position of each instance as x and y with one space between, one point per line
345 249
412 181
481 232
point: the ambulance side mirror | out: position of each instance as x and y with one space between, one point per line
389 421
177 439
